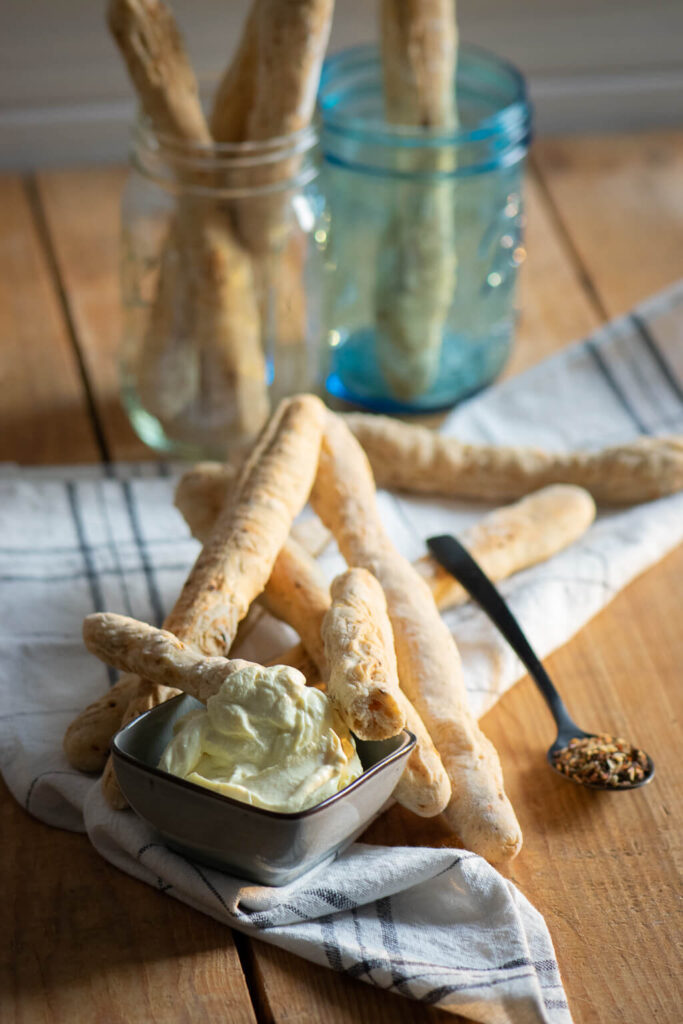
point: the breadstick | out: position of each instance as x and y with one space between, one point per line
157 63
362 676
268 93
515 537
419 40
417 262
86 741
206 288
276 73
201 492
423 788
238 557
160 658
155 655
234 97
428 661
412 458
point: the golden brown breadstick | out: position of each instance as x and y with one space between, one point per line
238 557
287 596
155 655
362 677
234 98
153 50
419 43
428 661
416 459
86 741
275 73
270 86
201 492
515 537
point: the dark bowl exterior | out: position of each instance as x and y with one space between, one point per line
256 844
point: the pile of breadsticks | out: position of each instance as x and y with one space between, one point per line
374 638
199 365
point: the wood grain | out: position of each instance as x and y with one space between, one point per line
82 212
43 413
620 203
84 942
554 307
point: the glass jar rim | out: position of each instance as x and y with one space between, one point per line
509 117
213 155
230 170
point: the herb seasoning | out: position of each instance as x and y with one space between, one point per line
602 761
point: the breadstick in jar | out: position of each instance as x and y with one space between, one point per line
206 289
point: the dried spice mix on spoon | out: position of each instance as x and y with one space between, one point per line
602 760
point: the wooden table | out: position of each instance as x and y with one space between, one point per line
605 229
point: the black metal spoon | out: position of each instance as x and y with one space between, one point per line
460 564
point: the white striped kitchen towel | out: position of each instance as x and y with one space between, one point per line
437 925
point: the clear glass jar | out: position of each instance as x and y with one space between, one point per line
425 237
221 274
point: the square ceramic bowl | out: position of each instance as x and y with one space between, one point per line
265 846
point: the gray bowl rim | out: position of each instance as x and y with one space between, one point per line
408 742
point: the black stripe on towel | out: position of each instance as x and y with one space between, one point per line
152 589
651 345
88 563
617 390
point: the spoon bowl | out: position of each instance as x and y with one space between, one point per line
562 743
456 560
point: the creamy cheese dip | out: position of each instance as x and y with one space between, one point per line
267 739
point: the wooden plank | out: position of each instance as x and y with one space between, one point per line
554 308
83 941
604 868
43 413
620 201
82 213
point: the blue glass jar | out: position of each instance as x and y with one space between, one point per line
425 235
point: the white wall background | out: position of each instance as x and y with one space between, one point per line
593 66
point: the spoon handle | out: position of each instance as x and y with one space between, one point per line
459 563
